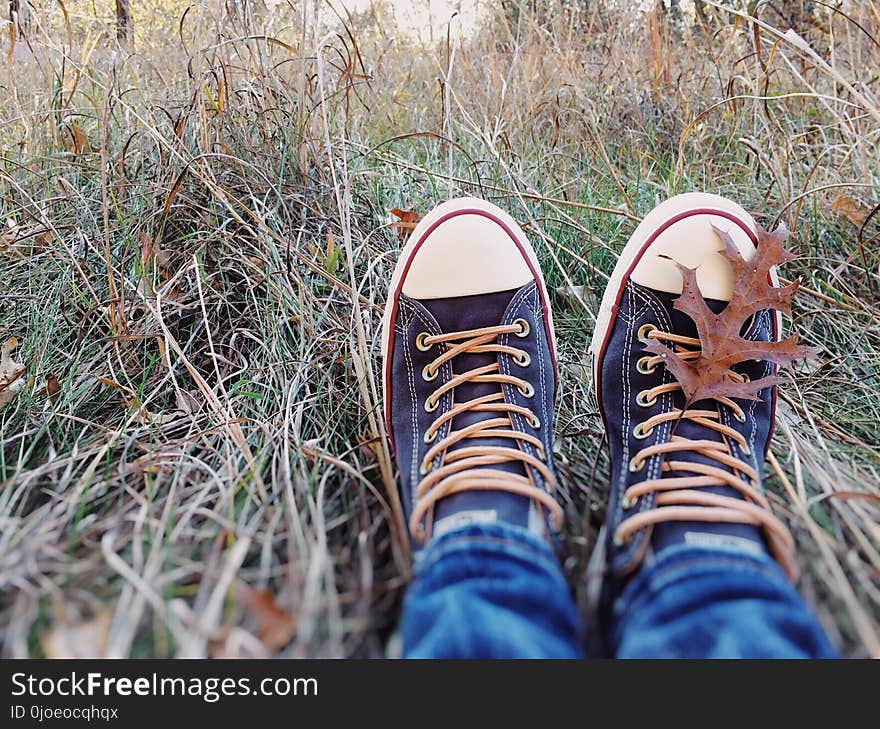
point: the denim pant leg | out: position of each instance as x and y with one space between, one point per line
489 591
702 603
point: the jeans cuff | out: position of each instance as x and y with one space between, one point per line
680 562
683 562
489 539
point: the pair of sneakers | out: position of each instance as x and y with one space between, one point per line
470 373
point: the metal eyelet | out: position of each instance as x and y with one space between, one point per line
523 361
643 368
745 378
426 374
535 422
420 342
640 433
431 408
644 331
642 399
527 391
636 466
740 416
429 438
524 328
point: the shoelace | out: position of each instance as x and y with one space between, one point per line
681 498
463 469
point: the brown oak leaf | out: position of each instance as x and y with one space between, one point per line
10 372
405 223
851 209
276 625
708 375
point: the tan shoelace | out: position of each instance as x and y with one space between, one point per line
680 498
458 470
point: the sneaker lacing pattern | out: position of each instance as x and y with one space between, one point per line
463 469
681 498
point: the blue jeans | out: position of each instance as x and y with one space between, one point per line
494 591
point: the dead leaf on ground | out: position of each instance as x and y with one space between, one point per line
405 223
24 238
258 277
369 447
708 376
79 639
10 372
52 387
79 142
187 402
331 254
8 237
275 625
153 256
130 400
851 209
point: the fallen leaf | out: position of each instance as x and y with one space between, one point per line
187 402
52 387
369 447
29 239
10 235
276 625
331 254
851 209
708 375
80 639
148 249
258 277
80 140
153 255
10 372
42 241
406 222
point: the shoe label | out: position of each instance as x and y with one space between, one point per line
722 541
463 519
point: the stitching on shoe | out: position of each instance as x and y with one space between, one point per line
758 330
765 330
732 444
644 292
768 369
625 381
403 307
520 424
657 309
539 345
630 315
518 420
446 369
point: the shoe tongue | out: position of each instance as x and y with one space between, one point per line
671 532
461 314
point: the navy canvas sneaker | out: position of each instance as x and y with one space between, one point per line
470 374
679 475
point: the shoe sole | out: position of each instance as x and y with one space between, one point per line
440 214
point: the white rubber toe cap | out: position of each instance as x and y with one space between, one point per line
691 242
466 247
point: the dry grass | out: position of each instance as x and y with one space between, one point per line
198 250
